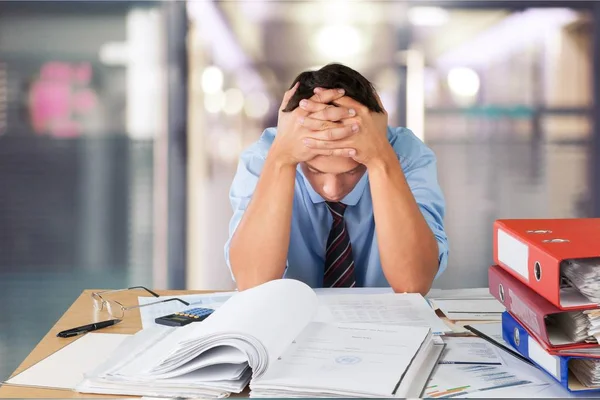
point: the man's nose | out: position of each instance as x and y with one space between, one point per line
331 186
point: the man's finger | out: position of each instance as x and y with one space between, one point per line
288 95
326 96
312 106
334 133
326 144
349 102
316 124
333 113
320 125
345 152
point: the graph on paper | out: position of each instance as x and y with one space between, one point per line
452 380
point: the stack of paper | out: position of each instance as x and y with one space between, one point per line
463 306
587 371
584 275
576 325
266 336
471 310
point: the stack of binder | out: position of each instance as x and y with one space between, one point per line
547 275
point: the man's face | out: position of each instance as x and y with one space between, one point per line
333 177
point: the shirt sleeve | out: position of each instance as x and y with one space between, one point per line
420 169
242 188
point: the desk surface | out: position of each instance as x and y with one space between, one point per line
81 312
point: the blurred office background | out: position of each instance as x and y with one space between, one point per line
121 124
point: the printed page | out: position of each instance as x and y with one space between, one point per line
407 309
353 290
471 293
470 350
481 309
328 357
452 380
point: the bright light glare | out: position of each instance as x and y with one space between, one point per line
234 101
427 16
214 102
335 41
463 81
212 79
256 105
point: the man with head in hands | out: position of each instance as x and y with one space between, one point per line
334 197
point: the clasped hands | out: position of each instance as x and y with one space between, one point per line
316 127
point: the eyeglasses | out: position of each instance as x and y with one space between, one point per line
116 309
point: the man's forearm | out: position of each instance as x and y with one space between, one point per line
408 249
259 246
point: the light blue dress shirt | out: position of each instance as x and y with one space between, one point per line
311 220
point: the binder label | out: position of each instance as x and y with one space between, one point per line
541 357
513 253
523 312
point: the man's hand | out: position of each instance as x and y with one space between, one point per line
370 138
292 134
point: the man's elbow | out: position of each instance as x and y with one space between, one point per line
412 287
418 281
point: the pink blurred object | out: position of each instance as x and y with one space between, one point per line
84 101
49 102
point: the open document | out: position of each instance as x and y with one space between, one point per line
267 337
408 309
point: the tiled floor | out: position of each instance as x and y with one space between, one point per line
481 182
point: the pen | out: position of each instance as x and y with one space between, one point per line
87 328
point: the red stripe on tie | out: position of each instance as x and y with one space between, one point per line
343 256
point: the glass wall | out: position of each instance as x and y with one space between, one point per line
82 119
508 115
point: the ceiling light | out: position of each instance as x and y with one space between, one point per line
212 79
427 16
463 82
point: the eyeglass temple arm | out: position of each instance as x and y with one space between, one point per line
146 289
129 288
156 302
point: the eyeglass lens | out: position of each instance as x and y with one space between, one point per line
114 309
98 302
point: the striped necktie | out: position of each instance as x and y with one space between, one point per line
339 262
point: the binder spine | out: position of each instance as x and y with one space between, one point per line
525 261
516 302
518 337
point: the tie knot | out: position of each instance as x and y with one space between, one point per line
336 209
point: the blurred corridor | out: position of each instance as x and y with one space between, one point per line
121 124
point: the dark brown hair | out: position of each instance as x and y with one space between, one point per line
335 76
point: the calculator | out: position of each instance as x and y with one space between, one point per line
185 317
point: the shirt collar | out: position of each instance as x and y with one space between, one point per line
350 199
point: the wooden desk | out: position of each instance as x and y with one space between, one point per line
80 313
